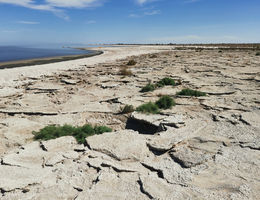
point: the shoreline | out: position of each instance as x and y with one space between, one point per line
12 76
47 60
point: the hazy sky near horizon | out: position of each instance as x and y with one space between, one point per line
128 21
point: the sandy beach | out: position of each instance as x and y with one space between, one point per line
204 147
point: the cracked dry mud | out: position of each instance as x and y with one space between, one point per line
208 147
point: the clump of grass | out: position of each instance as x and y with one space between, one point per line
131 62
125 72
257 54
149 87
127 109
150 107
166 81
163 82
189 92
80 133
101 129
165 102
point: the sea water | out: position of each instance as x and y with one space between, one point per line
12 53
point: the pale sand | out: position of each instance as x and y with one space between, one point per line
7 76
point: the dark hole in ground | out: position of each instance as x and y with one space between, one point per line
141 126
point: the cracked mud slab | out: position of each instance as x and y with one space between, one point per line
208 150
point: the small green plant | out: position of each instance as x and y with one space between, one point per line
80 133
166 81
101 129
189 92
131 62
257 54
127 109
149 87
165 102
148 108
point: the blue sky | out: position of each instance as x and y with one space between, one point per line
128 21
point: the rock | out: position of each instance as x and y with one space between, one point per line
43 87
217 90
122 145
78 104
111 186
157 188
251 145
109 85
194 152
165 141
69 81
19 177
61 144
30 156
229 174
166 168
8 91
102 161
187 70
251 118
221 104
37 155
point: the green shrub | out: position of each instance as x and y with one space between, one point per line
165 102
148 108
101 129
166 81
131 62
189 92
127 109
257 54
80 133
149 87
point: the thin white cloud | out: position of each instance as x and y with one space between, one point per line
8 31
52 4
29 4
142 2
191 1
74 3
55 6
146 13
153 12
91 22
28 22
134 15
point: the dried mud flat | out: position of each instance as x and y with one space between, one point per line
208 149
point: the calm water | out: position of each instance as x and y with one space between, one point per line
11 53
